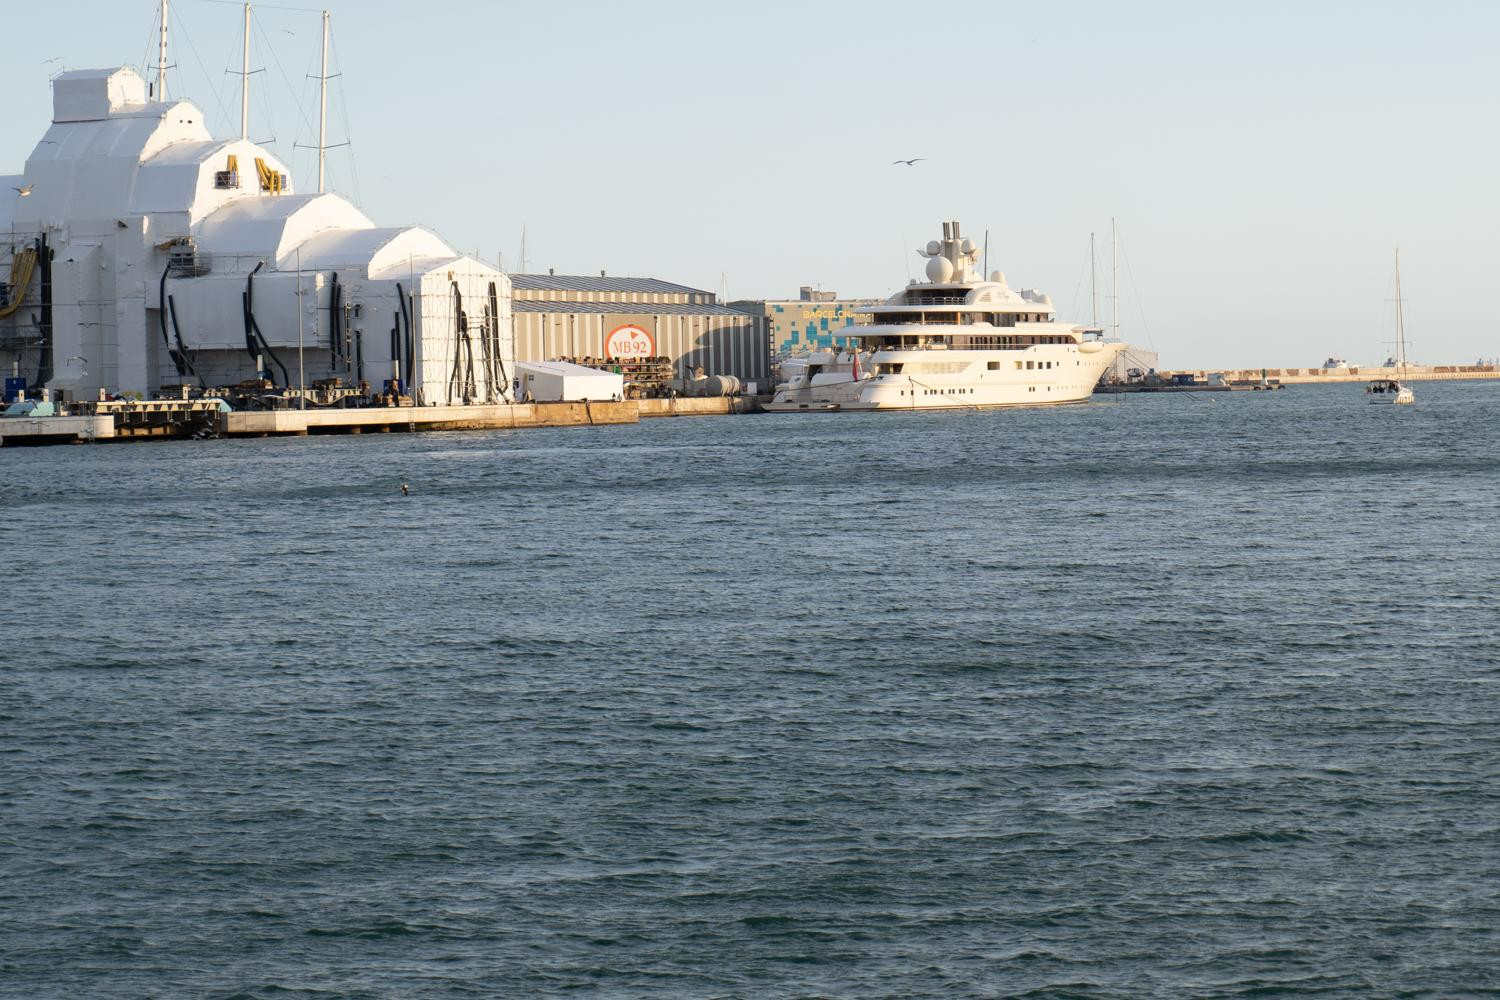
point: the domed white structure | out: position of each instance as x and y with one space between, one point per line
155 254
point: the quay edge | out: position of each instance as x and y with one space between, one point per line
118 426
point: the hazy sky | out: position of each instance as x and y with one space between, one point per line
1263 160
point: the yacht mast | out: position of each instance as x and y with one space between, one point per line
1093 284
245 79
161 57
1114 265
322 105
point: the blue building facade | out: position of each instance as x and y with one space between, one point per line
799 326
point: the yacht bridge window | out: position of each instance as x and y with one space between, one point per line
935 297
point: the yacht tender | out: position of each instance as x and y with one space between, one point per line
955 340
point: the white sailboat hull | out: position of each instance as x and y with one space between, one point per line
1391 392
1402 397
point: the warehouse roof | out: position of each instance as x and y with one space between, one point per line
590 283
565 368
632 308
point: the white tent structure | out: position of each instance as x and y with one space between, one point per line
563 381
142 253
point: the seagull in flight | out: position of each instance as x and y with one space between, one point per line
910 162
22 191
52 60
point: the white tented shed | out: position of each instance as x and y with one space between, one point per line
560 381
144 253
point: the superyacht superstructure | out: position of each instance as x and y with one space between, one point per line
955 340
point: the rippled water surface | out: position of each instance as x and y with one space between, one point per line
1169 696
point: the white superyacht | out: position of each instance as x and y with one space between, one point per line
954 341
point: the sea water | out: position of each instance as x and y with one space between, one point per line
1157 696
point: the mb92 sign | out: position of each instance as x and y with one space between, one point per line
629 341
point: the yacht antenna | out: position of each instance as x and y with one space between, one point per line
986 255
322 105
1093 283
245 79
161 57
523 250
1114 264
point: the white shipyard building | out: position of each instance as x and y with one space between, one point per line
140 252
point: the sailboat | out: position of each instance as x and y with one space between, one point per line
1391 390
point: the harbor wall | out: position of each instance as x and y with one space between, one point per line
259 423
386 419
125 421
696 407
55 430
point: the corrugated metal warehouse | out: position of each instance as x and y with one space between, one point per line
575 316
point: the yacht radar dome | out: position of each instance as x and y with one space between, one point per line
952 258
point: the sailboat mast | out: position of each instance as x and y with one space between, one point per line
1400 320
161 57
245 79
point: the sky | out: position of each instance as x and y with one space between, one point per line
1262 162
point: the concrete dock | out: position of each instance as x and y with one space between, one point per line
20 431
134 422
396 419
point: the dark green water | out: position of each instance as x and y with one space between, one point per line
1180 696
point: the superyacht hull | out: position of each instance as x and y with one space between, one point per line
955 341
1055 375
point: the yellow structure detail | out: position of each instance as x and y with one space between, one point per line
233 166
21 266
270 180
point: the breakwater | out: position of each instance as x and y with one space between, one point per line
1317 376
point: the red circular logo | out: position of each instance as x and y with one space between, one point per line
629 341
